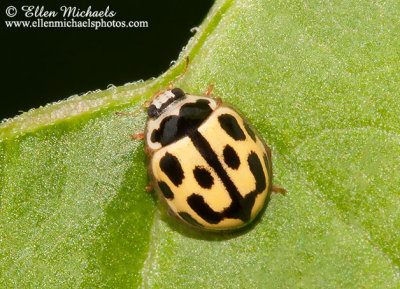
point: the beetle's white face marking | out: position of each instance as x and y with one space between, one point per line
163 101
163 98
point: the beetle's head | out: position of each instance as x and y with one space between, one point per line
162 100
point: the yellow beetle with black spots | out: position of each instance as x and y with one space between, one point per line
205 160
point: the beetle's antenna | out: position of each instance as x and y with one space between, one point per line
127 114
278 190
172 83
145 104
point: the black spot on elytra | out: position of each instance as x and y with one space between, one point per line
170 165
206 151
197 203
175 127
203 177
240 207
231 126
167 133
231 158
249 131
188 218
165 189
258 172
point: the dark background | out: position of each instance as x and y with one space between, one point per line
42 65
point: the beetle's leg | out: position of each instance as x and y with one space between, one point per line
209 90
138 136
278 190
149 188
148 151
273 188
218 100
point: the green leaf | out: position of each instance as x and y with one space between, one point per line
319 80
